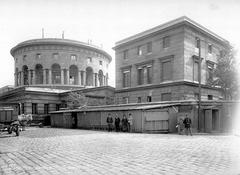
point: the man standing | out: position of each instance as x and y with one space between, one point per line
109 122
130 122
187 123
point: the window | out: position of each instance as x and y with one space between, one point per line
46 108
166 70
149 99
149 47
125 54
16 60
38 55
55 55
210 67
24 57
139 50
57 107
125 100
100 63
196 96
89 60
73 57
210 97
23 108
149 74
34 108
139 100
166 97
166 42
195 71
209 48
126 78
140 76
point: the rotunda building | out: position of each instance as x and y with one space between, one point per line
60 62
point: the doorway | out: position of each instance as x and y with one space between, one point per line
215 120
74 120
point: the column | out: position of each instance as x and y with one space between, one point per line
15 79
44 76
106 79
96 80
67 76
22 78
62 76
145 75
33 77
50 76
93 79
84 78
19 79
29 77
79 78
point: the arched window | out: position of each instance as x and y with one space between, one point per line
56 74
39 74
100 77
73 75
25 75
89 76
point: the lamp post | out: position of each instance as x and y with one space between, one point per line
199 81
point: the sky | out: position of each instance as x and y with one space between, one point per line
105 22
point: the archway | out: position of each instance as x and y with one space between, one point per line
89 76
56 74
39 74
73 75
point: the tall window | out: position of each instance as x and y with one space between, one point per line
125 54
195 71
210 97
149 47
100 63
125 100
166 42
166 70
34 108
166 97
210 67
23 108
149 99
139 50
73 57
210 48
46 108
38 55
126 78
140 76
197 42
24 57
139 100
149 74
89 60
58 107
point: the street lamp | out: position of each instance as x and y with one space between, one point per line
199 80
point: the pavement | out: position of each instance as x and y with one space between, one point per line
68 151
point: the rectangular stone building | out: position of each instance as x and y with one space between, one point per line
161 64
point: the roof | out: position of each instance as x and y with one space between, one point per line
39 89
59 41
174 22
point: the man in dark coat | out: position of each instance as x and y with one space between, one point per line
124 123
117 123
109 122
187 123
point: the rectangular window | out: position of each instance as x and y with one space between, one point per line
38 55
139 100
126 78
34 108
195 71
46 108
210 72
23 108
140 76
210 48
100 63
166 97
166 70
149 74
125 100
197 42
125 54
210 97
139 50
196 96
73 57
58 107
149 99
149 47
166 42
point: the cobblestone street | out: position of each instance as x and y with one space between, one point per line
66 151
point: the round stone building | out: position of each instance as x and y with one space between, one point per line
60 62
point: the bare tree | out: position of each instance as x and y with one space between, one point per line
76 99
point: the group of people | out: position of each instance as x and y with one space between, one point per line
184 124
124 125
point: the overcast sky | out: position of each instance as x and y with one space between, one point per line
105 22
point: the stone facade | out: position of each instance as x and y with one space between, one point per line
60 62
165 60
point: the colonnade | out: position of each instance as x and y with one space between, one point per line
62 77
